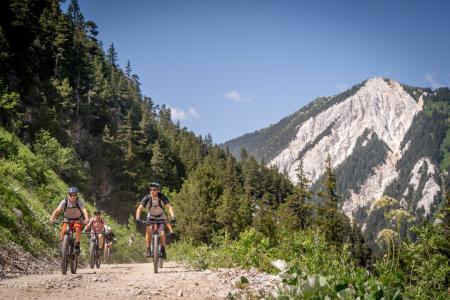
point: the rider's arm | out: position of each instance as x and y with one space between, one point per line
85 213
55 214
139 211
87 226
170 209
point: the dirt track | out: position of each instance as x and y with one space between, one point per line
132 280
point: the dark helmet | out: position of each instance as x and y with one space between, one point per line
72 190
97 212
155 185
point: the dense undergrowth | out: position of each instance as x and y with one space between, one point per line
316 269
29 192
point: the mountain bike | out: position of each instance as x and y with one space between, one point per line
94 249
155 246
68 253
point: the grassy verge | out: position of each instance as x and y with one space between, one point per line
317 270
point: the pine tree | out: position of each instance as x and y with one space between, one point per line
360 251
126 137
334 223
112 56
128 69
297 211
162 165
75 15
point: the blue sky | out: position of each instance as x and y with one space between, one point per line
232 67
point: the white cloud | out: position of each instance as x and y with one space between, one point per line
237 97
434 84
179 114
342 86
193 113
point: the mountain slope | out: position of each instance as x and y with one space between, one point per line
384 138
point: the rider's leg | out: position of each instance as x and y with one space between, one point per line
77 228
148 237
63 229
163 238
162 234
169 226
100 241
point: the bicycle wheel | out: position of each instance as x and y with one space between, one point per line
161 260
65 253
97 259
74 264
92 255
156 257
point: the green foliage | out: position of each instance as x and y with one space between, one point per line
426 265
63 160
9 105
318 287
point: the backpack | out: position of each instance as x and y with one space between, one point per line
150 206
149 203
66 202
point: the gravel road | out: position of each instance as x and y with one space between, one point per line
121 281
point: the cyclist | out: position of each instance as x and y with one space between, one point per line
155 202
109 238
73 210
97 225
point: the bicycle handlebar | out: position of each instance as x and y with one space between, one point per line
155 221
65 220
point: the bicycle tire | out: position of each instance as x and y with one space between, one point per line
155 241
74 264
97 260
64 254
92 255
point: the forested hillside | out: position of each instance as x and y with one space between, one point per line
70 115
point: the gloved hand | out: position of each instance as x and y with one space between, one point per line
138 221
86 222
173 220
51 221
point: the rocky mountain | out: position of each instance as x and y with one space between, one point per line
384 138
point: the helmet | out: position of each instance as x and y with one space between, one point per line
155 185
72 190
97 212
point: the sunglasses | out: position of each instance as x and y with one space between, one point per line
73 195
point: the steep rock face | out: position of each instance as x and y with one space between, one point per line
381 107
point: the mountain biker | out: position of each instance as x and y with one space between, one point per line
109 238
97 225
73 209
155 202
